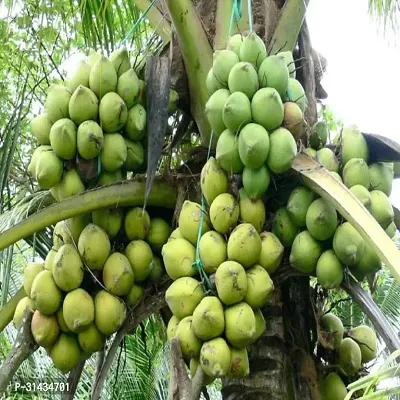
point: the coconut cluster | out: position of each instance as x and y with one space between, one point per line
255 109
97 269
93 126
347 350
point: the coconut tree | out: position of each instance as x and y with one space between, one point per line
283 362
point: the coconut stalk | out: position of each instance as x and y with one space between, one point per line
127 193
197 57
7 312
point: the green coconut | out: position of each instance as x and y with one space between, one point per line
251 210
298 203
293 120
239 363
70 185
267 108
261 325
208 318
31 270
332 387
274 73
227 152
137 223
223 62
381 208
83 106
319 135
49 169
362 194
78 310
190 343
66 353
333 326
240 325
215 358
171 327
329 270
321 219
40 126
91 339
94 246
61 320
63 138
224 213
79 77
381 178
128 87
140 257
349 357
109 219
234 43
213 180
107 178
236 112
366 339
212 251
93 57
51 255
134 296
368 263
305 252
231 282
212 83
310 152
135 126
253 145
113 112
179 256
57 102
135 155
46 295
24 304
103 77
89 139
118 275
295 92
244 245
114 152
213 110
356 172
252 49
354 144
326 157
110 312
289 60
256 181
284 228
271 252
120 60
158 233
243 78
259 287
348 244
282 150
391 230
44 328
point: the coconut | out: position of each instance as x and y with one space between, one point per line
289 60
298 203
103 77
239 363
329 270
381 208
331 324
366 339
137 223
310 152
244 245
208 318
135 126
93 57
190 343
243 78
284 228
332 387
110 312
109 219
354 145
252 49
356 172
128 87
83 105
140 257
114 152
293 120
213 110
94 246
240 325
24 304
234 43
224 213
305 252
112 112
91 339
236 112
45 330
227 152
135 155
326 157
80 76
78 310
213 180
67 268
223 62
120 60
89 139
31 270
41 126
70 185
46 295
49 169
57 101
63 138
259 287
61 320
267 108
362 194
253 145
107 178
381 178
282 151
231 282
215 358
321 219
348 244
191 218
65 353
212 83
391 230
319 135
368 263
118 274
212 251
179 256
251 211
271 252
157 269
295 92
349 357
274 73
171 328
183 296
134 296
256 181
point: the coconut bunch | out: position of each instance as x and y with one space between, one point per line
349 351
93 126
97 269
255 109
